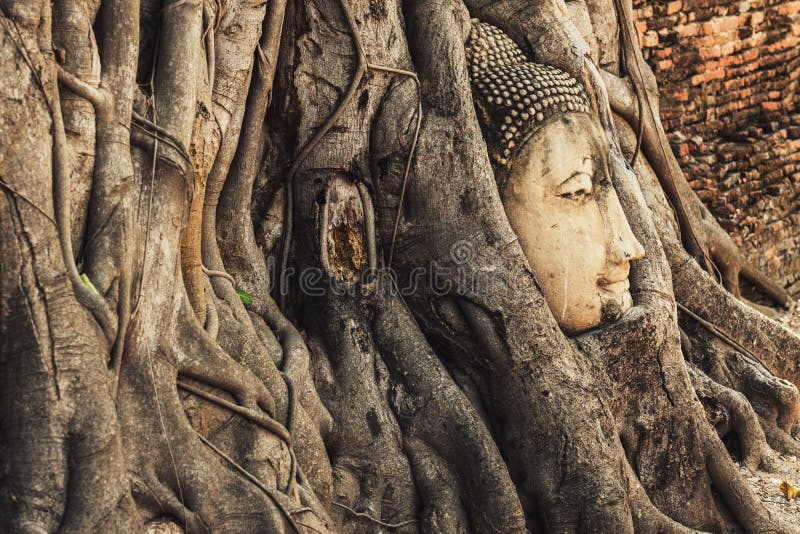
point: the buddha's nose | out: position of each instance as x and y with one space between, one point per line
624 246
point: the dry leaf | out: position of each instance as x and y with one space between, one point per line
790 491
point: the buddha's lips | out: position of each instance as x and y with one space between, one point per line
618 293
615 288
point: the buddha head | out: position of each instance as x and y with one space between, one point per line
551 162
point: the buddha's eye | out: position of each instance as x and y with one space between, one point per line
577 187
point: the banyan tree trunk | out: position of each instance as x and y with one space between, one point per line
256 276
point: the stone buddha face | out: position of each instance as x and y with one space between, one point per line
560 202
551 162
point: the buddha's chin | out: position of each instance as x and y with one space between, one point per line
614 305
610 308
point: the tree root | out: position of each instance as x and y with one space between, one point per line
737 347
206 362
486 418
214 497
770 343
378 522
62 463
149 489
661 378
240 339
61 194
529 378
738 417
212 316
425 400
758 395
72 30
288 212
234 228
270 493
371 474
267 423
698 226
236 233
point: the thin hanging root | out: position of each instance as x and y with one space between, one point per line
85 296
249 476
306 150
164 429
103 103
713 329
28 201
61 176
365 515
361 69
632 58
407 169
266 423
157 132
220 274
411 152
669 178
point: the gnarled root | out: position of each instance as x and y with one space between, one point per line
62 463
207 464
730 412
771 346
464 483
748 389
736 346
240 338
659 375
696 223
371 473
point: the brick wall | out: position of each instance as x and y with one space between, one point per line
728 73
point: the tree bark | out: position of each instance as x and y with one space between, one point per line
258 278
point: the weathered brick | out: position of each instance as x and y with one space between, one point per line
728 73
750 55
665 64
691 29
674 7
649 39
728 23
681 96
